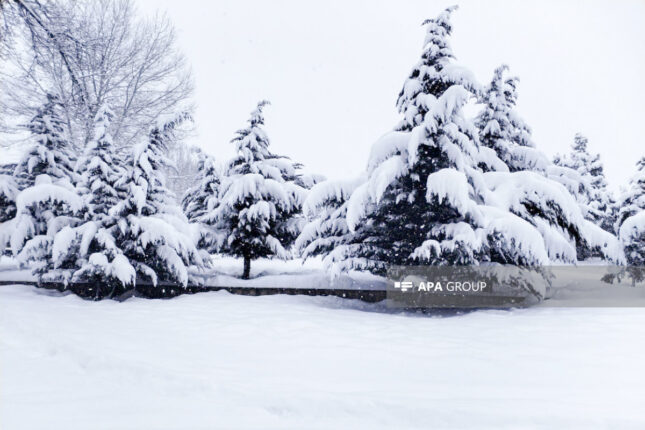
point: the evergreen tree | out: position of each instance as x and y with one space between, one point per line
423 199
258 198
88 251
503 130
327 233
201 199
631 218
51 154
433 74
433 195
592 193
8 194
150 229
47 202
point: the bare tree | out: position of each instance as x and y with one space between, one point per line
93 53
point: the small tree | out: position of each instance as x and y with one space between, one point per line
201 199
596 200
258 198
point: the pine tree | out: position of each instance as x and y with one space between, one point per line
327 233
88 251
150 229
503 130
433 195
592 193
47 202
423 199
433 74
631 218
201 199
8 194
258 198
51 154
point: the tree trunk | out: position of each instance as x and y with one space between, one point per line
247 268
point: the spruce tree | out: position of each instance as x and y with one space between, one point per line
8 194
89 250
503 130
201 199
150 228
51 154
258 198
631 218
424 195
47 202
433 74
592 193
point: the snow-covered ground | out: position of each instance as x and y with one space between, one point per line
216 360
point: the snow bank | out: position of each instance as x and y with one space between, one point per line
217 360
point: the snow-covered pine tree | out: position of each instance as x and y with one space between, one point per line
8 194
88 251
433 74
51 154
567 236
47 201
327 233
503 130
258 198
424 198
596 200
150 229
202 198
631 218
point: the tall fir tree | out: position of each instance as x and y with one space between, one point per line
258 198
422 201
150 229
89 251
47 202
434 196
433 74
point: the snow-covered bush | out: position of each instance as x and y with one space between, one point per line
259 200
44 211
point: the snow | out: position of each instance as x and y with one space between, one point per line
216 360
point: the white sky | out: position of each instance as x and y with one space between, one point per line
333 70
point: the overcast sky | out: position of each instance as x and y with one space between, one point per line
333 69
